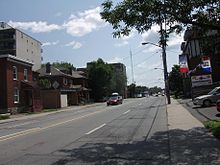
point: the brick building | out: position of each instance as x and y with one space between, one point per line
65 86
17 90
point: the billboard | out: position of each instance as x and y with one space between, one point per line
201 80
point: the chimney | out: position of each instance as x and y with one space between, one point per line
48 68
70 71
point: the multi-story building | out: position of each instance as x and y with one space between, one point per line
19 44
17 91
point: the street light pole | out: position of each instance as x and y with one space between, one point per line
166 78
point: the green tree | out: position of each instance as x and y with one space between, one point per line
100 75
175 80
143 14
61 65
154 89
44 83
131 90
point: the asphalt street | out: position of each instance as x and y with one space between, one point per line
135 132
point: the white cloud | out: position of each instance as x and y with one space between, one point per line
115 60
123 43
74 45
50 43
35 27
77 25
151 35
84 22
175 39
131 35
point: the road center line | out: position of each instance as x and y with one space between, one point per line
95 129
25 132
126 112
6 137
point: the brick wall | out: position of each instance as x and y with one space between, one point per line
8 84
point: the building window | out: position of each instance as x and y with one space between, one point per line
25 74
16 95
71 82
65 82
15 73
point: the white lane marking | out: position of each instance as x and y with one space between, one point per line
95 129
13 135
126 112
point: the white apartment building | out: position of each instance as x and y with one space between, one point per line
19 44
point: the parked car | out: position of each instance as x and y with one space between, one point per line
114 100
209 99
218 105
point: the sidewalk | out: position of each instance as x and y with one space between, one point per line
190 142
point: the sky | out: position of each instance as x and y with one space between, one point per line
72 31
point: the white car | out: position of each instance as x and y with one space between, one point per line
206 100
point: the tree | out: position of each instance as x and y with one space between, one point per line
155 89
175 80
143 14
100 75
61 65
131 90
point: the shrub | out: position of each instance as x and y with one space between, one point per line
214 127
3 117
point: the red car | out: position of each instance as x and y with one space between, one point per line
114 100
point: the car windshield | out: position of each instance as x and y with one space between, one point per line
212 91
113 98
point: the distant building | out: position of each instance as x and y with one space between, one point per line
19 44
120 70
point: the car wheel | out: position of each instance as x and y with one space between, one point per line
206 103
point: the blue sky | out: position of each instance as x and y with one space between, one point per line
72 31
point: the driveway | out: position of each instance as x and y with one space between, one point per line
201 113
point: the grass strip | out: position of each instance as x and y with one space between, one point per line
214 127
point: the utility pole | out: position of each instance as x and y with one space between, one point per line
163 43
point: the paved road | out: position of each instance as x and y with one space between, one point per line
203 114
132 133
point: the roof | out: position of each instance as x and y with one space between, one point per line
16 59
57 72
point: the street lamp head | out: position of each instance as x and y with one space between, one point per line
146 43
159 68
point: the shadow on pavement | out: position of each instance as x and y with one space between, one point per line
194 146
218 115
